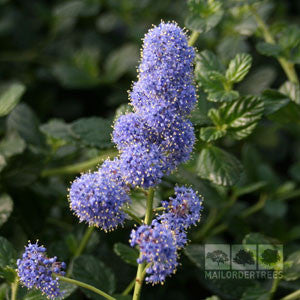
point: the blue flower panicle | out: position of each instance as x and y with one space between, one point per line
98 198
166 71
157 246
183 210
36 270
142 166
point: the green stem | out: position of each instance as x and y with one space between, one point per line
274 287
81 247
14 289
79 167
193 38
287 66
129 287
133 216
256 207
86 286
142 267
292 296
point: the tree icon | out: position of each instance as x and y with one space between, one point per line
217 256
244 257
270 257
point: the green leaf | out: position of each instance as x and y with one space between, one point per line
256 238
90 270
120 61
207 61
93 131
256 293
269 49
218 166
3 291
204 15
58 130
6 207
250 188
288 114
239 67
209 73
10 95
7 260
209 134
292 90
23 120
291 269
196 254
80 71
2 162
128 254
239 117
12 145
273 101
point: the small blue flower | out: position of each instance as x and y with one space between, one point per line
131 129
165 72
98 198
183 210
142 166
157 246
38 271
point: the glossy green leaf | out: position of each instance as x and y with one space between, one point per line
93 131
80 71
120 61
292 90
128 254
23 120
218 166
10 95
239 117
269 49
58 130
7 260
239 67
291 269
6 207
209 134
204 15
256 293
273 101
12 145
2 162
196 254
90 270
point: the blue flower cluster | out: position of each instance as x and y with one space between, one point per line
36 270
158 136
159 243
157 246
97 198
153 140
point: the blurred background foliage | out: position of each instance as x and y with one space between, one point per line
66 67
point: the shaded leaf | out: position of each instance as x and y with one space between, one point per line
90 270
128 254
93 131
6 207
291 269
12 145
204 15
218 166
23 120
269 49
120 61
196 254
256 293
273 101
10 95
292 90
